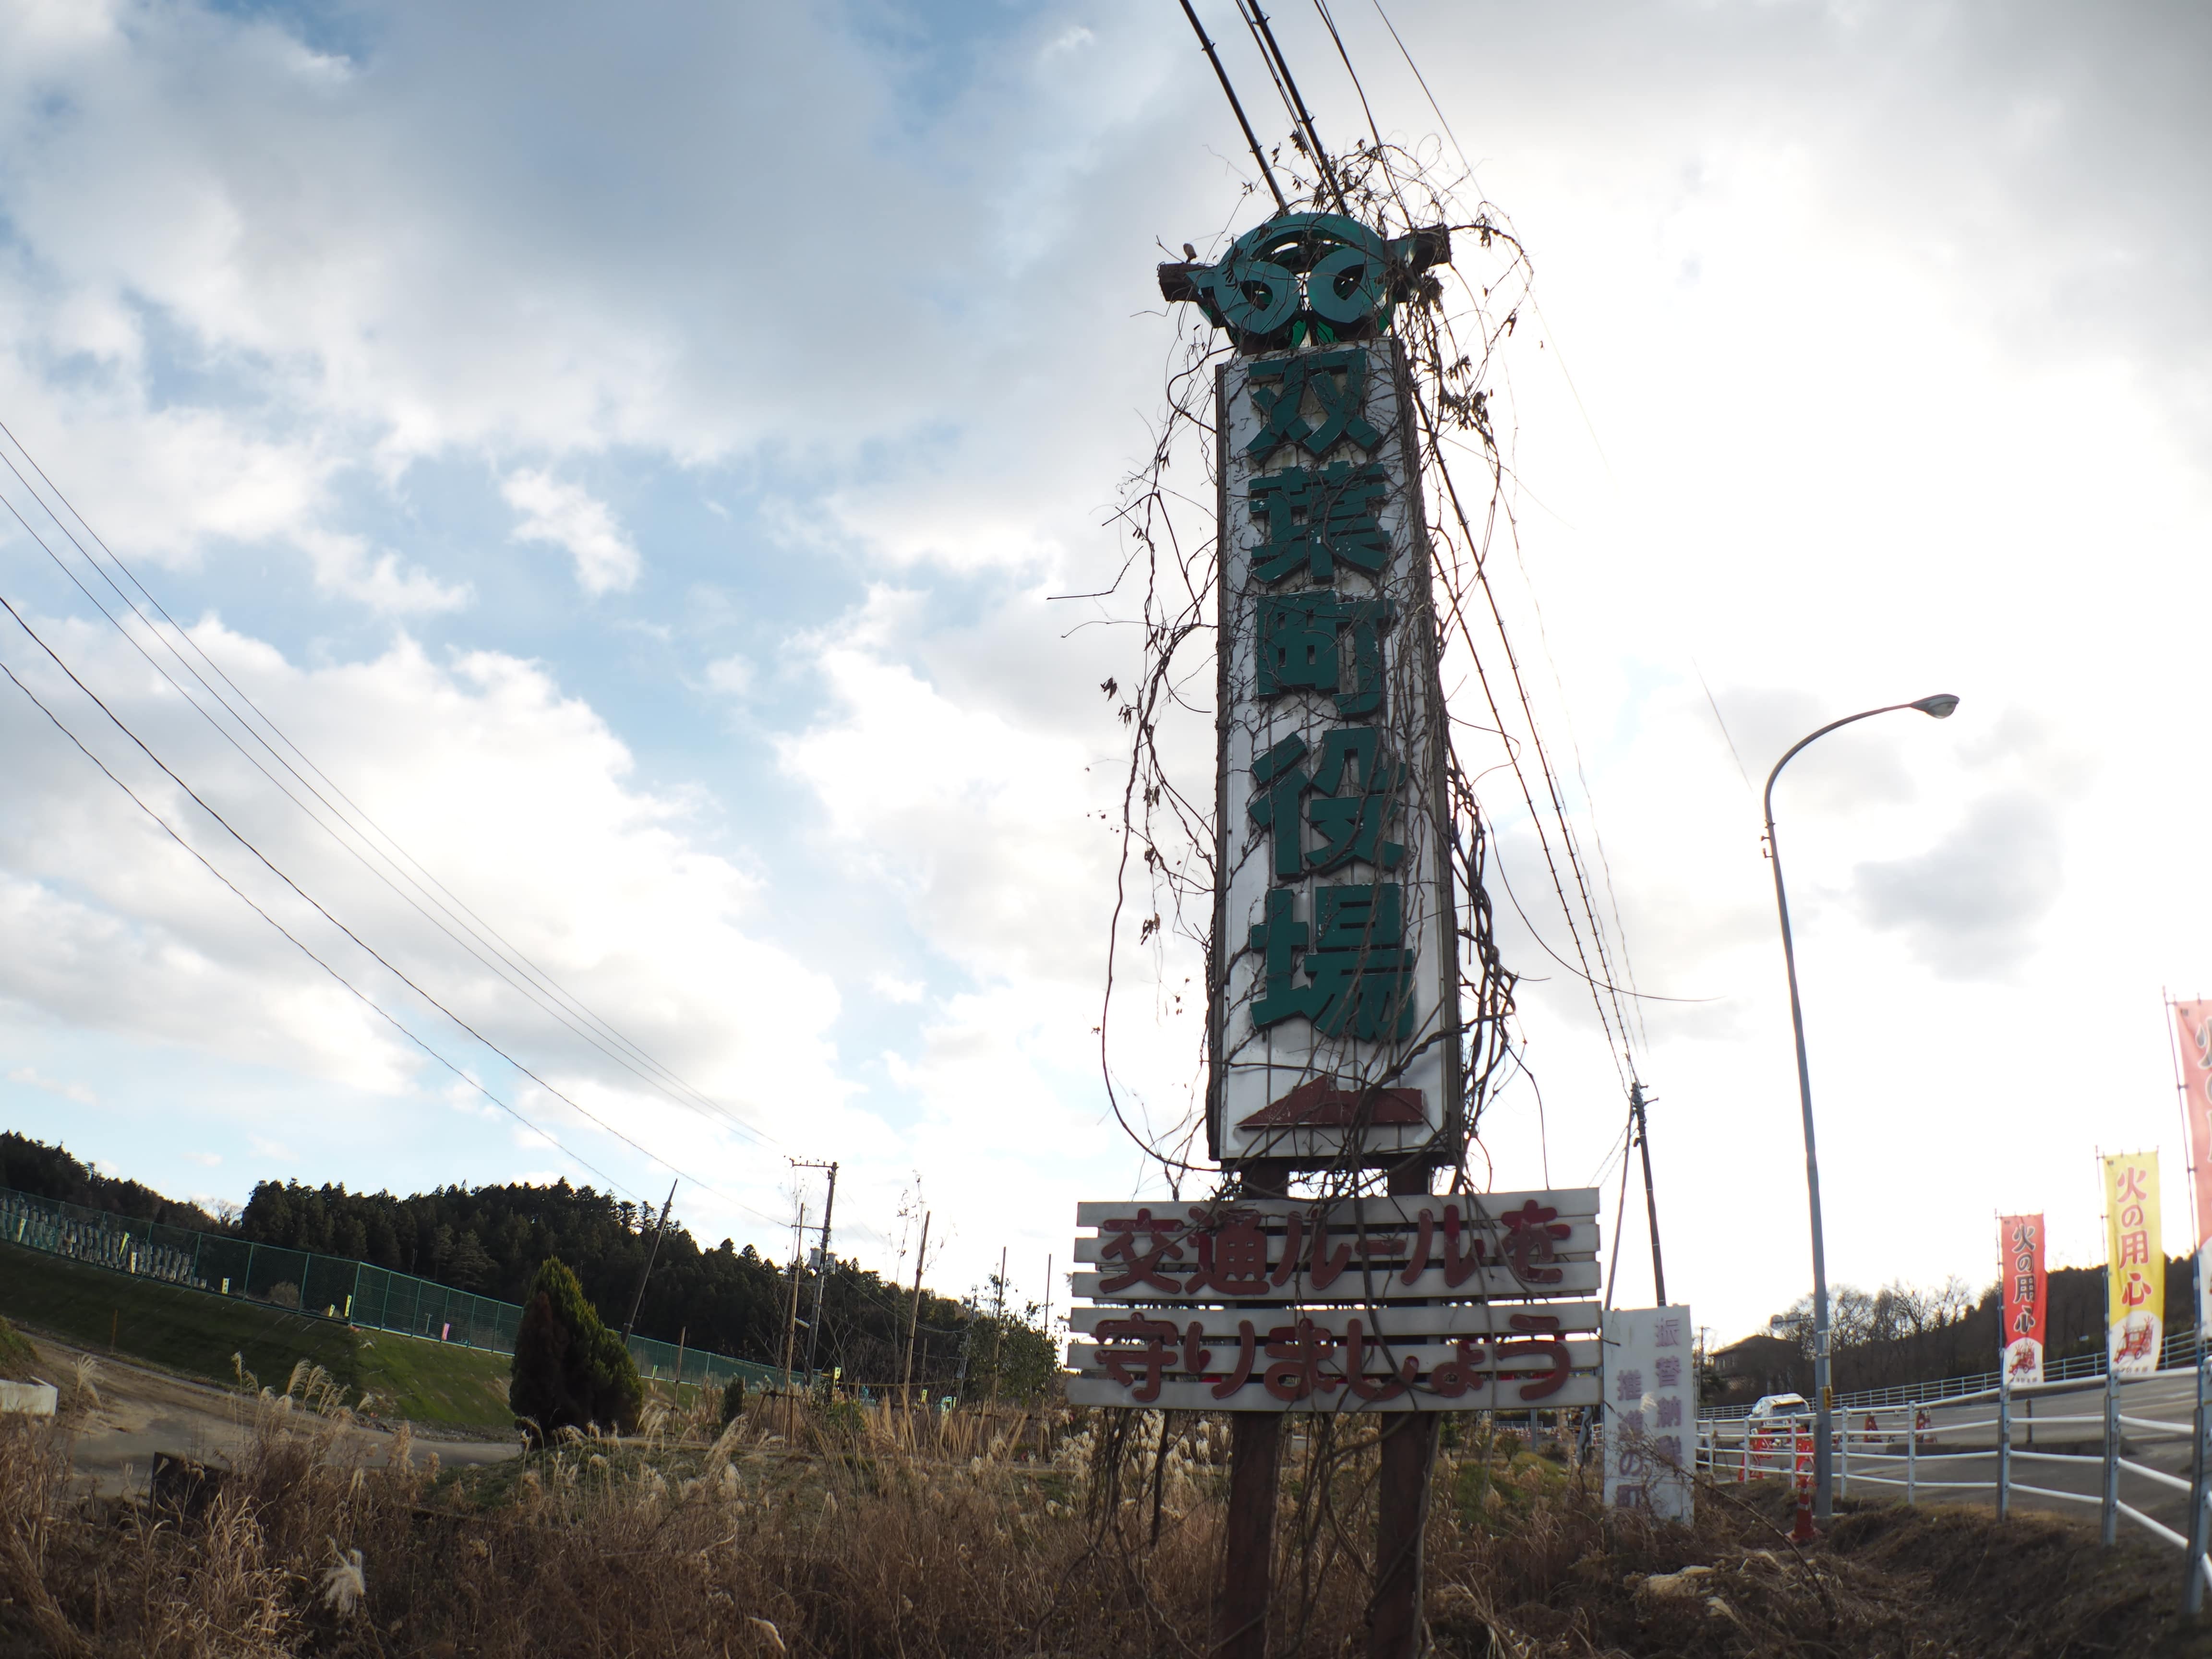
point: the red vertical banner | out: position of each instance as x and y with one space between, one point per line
2019 1240
2195 1021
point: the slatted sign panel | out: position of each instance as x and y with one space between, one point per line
1420 1302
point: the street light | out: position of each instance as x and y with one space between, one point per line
1938 706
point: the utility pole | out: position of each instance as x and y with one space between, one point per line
998 1330
913 1316
791 1328
652 1256
821 1277
1636 1104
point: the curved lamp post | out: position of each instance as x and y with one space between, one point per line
1939 707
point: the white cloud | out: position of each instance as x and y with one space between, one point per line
344 565
511 792
76 1091
567 515
893 989
732 676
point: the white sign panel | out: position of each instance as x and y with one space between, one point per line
1335 1023
1650 1410
1416 1303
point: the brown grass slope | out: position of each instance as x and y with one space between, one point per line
848 1532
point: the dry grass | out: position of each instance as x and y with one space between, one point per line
852 1532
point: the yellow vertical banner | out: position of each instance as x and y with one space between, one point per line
2135 1263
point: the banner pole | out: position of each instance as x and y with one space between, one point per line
2189 1151
2111 1507
1912 1454
2004 1449
2192 1594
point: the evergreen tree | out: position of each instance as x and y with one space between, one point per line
569 1370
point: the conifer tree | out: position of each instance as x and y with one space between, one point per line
569 1370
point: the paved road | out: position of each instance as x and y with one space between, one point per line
141 1412
1963 1449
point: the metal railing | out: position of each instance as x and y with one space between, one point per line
2180 1349
320 1286
1915 1454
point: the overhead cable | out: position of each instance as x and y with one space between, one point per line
1229 92
537 986
370 1002
317 905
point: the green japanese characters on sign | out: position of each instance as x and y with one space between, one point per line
1315 517
1361 978
1336 382
1302 636
1351 825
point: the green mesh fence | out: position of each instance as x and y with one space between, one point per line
328 1286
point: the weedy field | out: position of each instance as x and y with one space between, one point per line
197 1334
845 1531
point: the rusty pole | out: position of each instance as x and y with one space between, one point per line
1256 1467
1401 1513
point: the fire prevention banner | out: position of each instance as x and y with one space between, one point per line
2135 1263
2020 1244
2194 1019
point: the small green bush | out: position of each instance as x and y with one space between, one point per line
18 1358
570 1372
733 1400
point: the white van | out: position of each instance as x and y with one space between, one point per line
1773 1406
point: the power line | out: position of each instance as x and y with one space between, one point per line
1250 137
1604 976
508 954
1287 84
321 909
1437 108
373 1006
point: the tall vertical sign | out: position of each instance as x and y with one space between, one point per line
1335 1010
1332 1032
2135 1281
1650 1410
2020 1276
2194 1020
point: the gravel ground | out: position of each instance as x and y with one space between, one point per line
143 1411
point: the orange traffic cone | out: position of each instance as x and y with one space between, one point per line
1803 1533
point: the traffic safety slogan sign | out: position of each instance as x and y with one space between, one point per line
1462 1303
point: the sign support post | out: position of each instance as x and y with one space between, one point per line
1401 1510
1255 1479
1256 1465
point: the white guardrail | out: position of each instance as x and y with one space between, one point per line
1906 1450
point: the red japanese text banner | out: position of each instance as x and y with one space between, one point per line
2020 1273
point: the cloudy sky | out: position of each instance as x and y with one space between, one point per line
630 452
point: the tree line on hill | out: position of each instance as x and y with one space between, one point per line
493 1240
